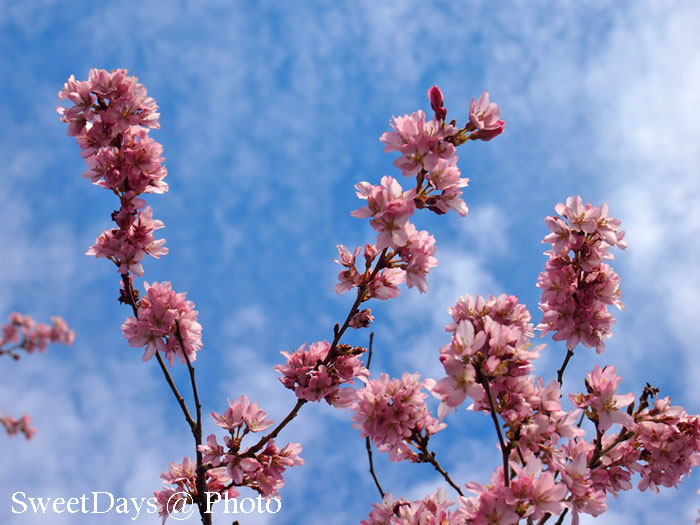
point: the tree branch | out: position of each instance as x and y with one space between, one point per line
560 372
368 443
505 449
131 299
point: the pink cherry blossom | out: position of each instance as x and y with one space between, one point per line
421 143
156 327
15 426
577 286
484 116
110 118
313 377
390 208
602 384
391 411
23 333
241 413
362 319
433 509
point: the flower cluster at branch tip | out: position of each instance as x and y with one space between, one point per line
668 440
428 152
110 118
577 286
15 426
484 116
490 339
491 347
161 313
313 375
393 413
229 466
22 333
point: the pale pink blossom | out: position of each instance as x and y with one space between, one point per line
602 397
484 116
577 286
421 143
390 411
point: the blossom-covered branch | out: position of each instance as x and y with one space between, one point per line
23 334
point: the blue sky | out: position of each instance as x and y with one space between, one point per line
271 112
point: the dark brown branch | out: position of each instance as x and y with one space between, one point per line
338 332
429 457
263 441
180 400
561 517
197 431
505 449
560 372
129 292
368 443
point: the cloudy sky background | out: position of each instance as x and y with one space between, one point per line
270 114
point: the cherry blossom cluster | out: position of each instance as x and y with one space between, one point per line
577 286
382 284
533 494
15 426
549 467
490 359
233 466
393 413
434 508
662 443
491 341
604 404
23 333
165 318
228 466
183 478
111 117
314 374
668 441
428 152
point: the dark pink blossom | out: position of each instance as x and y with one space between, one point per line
160 312
313 377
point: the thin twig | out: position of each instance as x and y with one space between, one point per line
361 291
560 372
169 378
368 443
180 400
338 334
430 458
546 517
201 469
505 450
263 441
